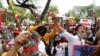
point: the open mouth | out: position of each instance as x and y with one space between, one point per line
82 31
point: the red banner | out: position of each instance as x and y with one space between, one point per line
0 19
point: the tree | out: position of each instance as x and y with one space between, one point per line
32 7
53 8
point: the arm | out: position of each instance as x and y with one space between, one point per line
32 28
64 33
20 40
52 50
12 52
53 32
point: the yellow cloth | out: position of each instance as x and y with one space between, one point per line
5 54
47 36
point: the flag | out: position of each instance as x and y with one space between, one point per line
18 13
0 19
12 8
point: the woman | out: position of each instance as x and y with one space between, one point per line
58 48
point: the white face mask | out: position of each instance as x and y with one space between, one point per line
80 35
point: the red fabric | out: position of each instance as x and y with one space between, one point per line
15 33
33 48
63 40
0 19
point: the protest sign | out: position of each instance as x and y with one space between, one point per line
82 50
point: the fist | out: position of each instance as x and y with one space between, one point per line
22 39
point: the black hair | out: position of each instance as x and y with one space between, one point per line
41 28
77 27
56 35
55 51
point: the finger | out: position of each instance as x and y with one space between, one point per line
22 41
24 32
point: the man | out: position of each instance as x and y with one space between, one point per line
78 39
31 46
42 30
44 35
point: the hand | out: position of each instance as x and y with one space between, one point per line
55 19
21 40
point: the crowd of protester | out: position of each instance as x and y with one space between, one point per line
47 39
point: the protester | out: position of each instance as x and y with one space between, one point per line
97 51
95 39
31 46
78 39
44 35
42 30
59 48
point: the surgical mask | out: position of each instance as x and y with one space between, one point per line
79 35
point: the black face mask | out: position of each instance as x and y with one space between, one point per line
56 42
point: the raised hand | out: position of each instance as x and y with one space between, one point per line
21 40
55 19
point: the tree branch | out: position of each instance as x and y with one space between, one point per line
31 11
8 2
18 2
25 1
45 10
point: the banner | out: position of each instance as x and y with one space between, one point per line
86 22
0 19
83 50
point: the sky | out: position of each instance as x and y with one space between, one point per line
66 5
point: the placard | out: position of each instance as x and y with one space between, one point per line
82 50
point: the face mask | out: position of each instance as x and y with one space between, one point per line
80 35
56 42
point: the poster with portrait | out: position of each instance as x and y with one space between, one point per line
80 50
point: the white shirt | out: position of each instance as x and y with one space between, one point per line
72 40
61 50
41 47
